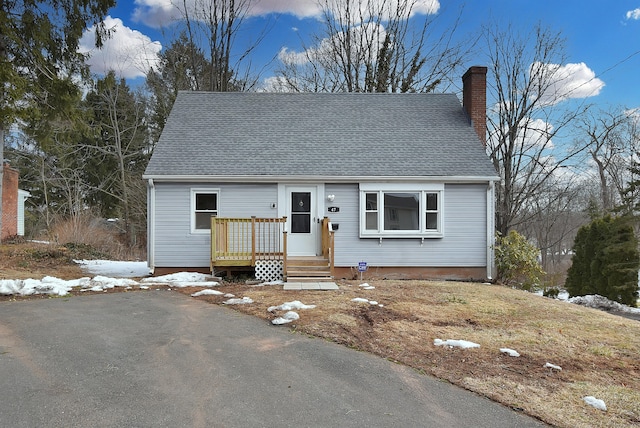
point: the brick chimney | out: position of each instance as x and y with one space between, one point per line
474 99
9 202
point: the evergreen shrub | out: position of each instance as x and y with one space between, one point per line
605 261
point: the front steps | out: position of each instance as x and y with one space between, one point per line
308 269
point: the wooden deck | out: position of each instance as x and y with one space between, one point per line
240 242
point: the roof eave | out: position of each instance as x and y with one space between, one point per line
315 178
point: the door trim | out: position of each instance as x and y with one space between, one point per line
318 207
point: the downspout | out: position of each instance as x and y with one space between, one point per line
151 225
490 229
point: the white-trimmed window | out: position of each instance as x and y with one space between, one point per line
411 210
204 204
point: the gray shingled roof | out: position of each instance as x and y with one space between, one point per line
318 135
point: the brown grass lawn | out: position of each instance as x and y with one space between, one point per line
599 353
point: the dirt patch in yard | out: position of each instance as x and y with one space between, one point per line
33 260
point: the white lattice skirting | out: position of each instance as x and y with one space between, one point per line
269 270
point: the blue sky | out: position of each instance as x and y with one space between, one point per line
602 36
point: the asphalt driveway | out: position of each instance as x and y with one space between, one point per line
162 359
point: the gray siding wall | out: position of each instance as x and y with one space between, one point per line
175 245
465 232
464 243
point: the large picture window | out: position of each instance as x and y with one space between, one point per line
204 204
407 211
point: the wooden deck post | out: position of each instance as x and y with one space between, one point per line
253 240
284 248
331 253
213 243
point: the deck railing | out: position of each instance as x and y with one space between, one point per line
242 241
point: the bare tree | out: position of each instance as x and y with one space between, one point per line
215 24
524 118
374 46
612 141
553 219
119 149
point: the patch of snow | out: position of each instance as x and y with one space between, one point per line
286 318
360 300
262 284
553 367
287 306
373 302
47 285
108 282
229 295
243 301
599 302
366 286
510 352
464 344
115 269
183 279
595 402
207 292
95 288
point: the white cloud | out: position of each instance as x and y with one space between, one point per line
533 136
633 14
298 8
157 13
275 84
536 133
128 52
386 8
326 48
568 81
633 113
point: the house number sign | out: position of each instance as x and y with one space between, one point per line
333 209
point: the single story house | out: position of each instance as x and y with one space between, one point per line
324 185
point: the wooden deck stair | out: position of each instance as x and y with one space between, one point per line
308 269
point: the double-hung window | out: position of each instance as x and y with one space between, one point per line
411 210
204 204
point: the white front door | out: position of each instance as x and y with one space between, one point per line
302 221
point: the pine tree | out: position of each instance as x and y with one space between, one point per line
605 261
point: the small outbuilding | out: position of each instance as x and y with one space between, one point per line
13 200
